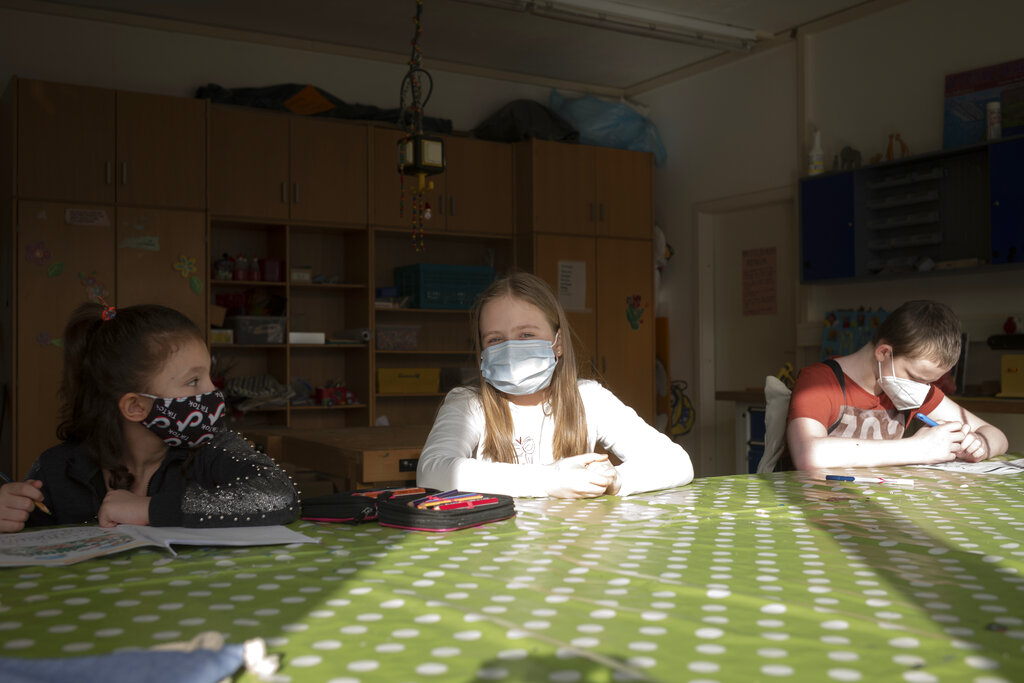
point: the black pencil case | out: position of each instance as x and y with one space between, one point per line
354 507
400 512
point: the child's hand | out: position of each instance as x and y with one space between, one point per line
581 476
16 502
940 443
124 507
973 448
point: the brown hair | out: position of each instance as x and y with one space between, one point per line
923 329
570 419
103 361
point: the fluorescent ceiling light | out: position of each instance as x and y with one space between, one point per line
616 16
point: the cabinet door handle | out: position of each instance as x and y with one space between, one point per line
124 172
284 193
110 172
600 213
604 364
296 192
451 205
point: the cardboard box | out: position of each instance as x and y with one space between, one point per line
396 337
307 338
222 336
258 329
408 380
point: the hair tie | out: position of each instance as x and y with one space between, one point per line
109 312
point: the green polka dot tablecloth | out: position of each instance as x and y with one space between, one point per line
779 577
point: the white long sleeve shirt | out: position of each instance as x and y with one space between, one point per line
451 457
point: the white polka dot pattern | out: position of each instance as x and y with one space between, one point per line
774 577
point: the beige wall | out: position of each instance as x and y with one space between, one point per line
107 55
733 130
729 131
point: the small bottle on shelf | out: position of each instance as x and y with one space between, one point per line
816 159
241 267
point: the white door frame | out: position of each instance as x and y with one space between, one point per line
704 214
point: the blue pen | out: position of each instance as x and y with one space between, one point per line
927 420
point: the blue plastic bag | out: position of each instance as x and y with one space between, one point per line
610 124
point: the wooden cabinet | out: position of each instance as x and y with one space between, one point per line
585 224
274 166
94 145
248 161
328 171
623 193
614 318
71 253
65 256
568 263
65 142
625 321
473 196
161 259
478 186
556 187
582 190
161 151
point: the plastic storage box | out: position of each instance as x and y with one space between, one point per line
258 329
442 286
408 380
396 337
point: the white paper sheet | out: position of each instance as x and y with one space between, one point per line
67 545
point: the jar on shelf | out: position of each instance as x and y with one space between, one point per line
224 268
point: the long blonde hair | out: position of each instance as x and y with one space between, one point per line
566 406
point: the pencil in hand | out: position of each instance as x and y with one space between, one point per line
38 503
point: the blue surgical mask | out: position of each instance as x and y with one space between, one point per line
519 366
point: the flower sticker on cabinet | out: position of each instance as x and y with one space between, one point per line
186 266
94 289
45 339
635 308
37 254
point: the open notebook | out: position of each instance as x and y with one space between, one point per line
67 545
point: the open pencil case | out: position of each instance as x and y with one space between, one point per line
354 507
430 513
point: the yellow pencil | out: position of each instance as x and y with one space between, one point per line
38 504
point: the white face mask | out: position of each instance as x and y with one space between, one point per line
905 394
519 366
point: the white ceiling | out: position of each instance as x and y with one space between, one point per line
472 33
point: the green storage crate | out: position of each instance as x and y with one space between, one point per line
442 286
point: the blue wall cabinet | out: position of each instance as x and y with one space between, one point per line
1006 192
826 227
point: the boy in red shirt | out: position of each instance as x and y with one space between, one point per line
852 411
